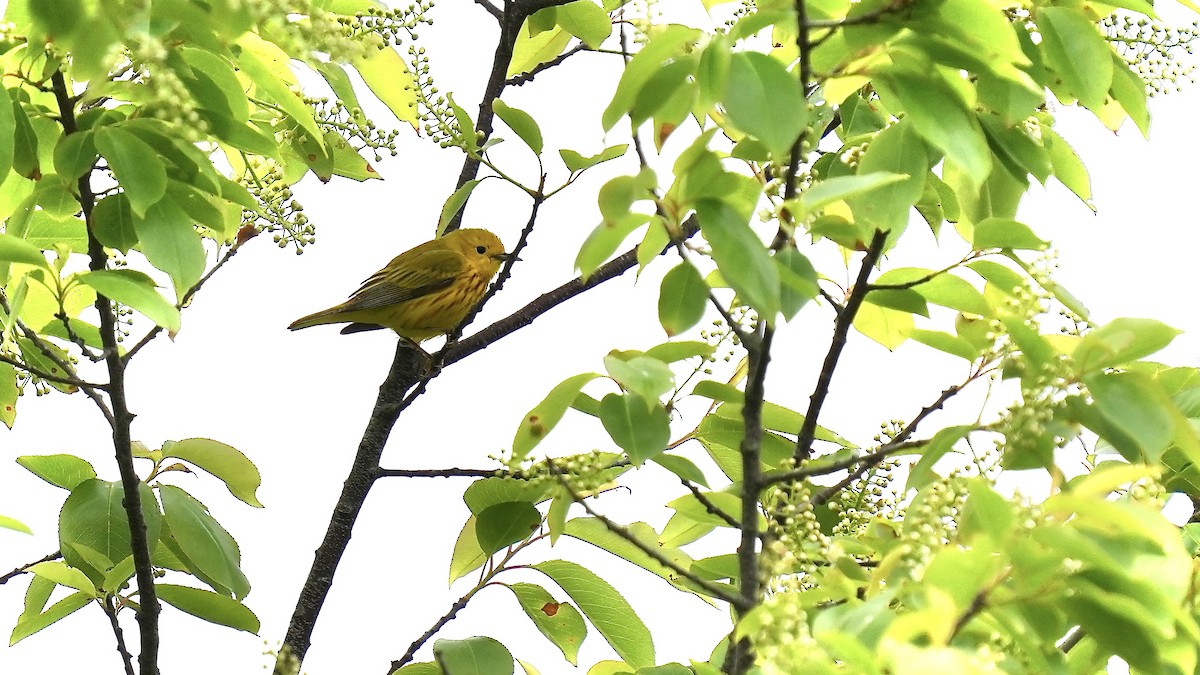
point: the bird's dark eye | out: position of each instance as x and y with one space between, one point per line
481 250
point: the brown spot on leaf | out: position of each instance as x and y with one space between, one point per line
550 608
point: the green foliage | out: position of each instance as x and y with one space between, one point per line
142 144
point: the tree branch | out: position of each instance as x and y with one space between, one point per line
491 9
5 578
841 329
829 492
523 78
148 607
111 612
708 505
187 298
460 604
714 590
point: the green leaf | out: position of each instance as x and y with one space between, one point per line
640 430
940 117
25 142
212 607
171 243
266 65
8 393
604 240
207 545
14 524
8 129
596 533
951 344
1077 52
36 356
1137 406
643 66
682 299
532 50
986 512
670 352
585 20
942 442
560 622
138 167
64 471
798 281
941 288
741 257
468 555
1006 233
473 656
506 523
1003 278
682 467
58 611
75 155
487 492
764 100
136 290
455 203
896 151
1129 91
93 517
577 162
539 421
1068 168
521 122
1120 342
640 374
888 327
830 190
223 461
1017 152
605 608
64 575
16 249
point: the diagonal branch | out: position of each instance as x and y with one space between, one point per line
9 576
900 439
841 329
716 591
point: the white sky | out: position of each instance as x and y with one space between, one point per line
296 403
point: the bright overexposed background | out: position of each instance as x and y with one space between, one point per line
296 403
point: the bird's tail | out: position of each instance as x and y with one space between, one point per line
324 316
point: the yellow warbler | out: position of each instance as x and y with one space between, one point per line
423 292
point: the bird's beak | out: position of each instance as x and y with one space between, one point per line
503 257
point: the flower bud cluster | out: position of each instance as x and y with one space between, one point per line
280 214
351 123
1155 51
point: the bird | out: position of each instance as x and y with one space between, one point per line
422 293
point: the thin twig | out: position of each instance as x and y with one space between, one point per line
522 78
440 473
5 578
884 451
49 377
111 612
1073 638
829 492
484 580
187 298
712 589
708 505
841 329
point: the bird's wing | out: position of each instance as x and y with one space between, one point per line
407 277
